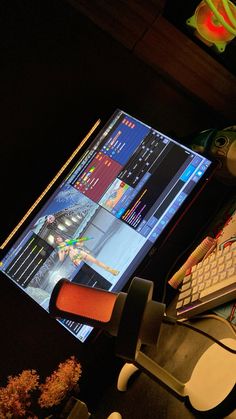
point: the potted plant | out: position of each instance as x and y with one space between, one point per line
25 397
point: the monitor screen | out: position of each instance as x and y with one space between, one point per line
122 196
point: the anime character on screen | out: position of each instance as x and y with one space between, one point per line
77 253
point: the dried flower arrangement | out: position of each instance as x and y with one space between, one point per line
17 398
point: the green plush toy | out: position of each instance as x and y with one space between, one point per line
221 146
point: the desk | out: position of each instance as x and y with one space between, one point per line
178 351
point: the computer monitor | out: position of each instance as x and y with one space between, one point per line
125 193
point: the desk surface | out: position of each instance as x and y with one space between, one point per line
178 351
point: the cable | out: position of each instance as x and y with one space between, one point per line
173 320
214 316
220 17
195 329
229 12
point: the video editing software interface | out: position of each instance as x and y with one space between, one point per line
106 215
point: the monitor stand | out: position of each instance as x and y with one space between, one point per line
211 388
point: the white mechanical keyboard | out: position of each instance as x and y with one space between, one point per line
212 282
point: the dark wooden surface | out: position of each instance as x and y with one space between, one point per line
125 20
171 53
141 27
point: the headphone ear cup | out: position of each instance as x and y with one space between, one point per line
140 320
80 303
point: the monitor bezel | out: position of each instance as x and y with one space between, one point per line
96 130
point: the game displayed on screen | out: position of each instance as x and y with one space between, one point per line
103 219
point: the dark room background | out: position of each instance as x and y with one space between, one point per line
59 73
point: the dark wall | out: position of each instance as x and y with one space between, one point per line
60 73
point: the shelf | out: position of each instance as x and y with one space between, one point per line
141 27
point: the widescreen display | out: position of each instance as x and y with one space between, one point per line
102 220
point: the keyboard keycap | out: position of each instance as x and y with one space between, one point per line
218 286
210 284
185 294
186 286
195 297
